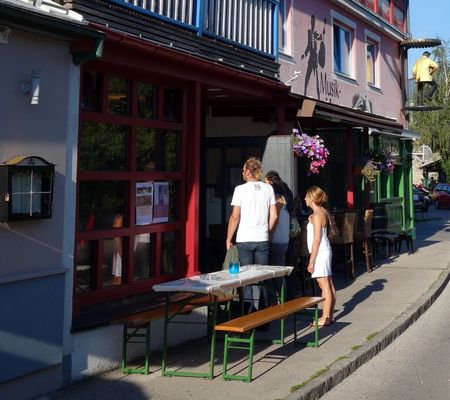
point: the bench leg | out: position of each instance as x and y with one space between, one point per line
314 343
135 335
231 342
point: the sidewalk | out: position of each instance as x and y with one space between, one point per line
370 313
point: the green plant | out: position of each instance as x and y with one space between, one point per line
371 336
317 374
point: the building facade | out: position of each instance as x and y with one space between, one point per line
149 115
39 128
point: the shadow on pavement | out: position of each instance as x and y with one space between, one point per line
375 286
99 388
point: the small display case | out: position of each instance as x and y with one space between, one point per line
26 188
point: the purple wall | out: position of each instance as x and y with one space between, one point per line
384 98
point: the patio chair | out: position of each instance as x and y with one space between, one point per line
302 260
363 236
346 224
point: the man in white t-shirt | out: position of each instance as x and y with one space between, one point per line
254 215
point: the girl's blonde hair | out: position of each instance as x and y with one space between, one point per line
317 195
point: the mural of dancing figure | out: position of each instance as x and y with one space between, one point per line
316 50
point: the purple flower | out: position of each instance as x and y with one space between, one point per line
312 148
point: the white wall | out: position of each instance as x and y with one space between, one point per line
39 130
37 256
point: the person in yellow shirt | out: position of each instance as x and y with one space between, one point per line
423 71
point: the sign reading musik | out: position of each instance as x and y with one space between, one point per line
315 55
329 87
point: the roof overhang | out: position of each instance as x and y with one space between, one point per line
432 164
348 116
68 25
403 135
372 19
208 70
420 43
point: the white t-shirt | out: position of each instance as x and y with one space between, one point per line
255 199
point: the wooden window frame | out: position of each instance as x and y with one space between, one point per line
131 176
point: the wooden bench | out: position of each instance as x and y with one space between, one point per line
236 327
137 327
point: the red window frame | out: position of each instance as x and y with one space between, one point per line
131 176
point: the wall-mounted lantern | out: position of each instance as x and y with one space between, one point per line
26 188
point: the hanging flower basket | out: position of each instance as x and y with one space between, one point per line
312 149
377 161
370 171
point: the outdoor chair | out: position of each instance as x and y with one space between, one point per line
346 224
302 259
363 236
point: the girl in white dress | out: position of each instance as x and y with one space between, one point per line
320 249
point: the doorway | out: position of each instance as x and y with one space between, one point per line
222 160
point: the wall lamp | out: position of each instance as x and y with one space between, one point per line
33 86
296 75
4 32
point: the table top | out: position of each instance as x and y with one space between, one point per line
222 281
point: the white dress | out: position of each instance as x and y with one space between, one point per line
322 266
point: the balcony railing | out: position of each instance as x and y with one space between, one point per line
252 24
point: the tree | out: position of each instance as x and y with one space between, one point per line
434 126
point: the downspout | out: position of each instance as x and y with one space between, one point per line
408 203
404 55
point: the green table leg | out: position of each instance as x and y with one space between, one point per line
167 318
213 339
282 300
166 323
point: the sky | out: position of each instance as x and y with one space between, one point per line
429 19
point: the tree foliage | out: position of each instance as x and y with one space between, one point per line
434 126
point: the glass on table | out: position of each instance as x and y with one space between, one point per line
233 268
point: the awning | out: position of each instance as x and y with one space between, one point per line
420 43
404 134
348 116
433 165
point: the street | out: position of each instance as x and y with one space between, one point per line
417 365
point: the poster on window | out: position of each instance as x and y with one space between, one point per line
161 202
144 203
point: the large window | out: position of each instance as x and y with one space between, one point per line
399 18
284 26
130 226
343 37
372 58
342 49
384 8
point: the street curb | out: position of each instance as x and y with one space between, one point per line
340 370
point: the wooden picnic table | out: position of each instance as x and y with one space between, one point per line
215 284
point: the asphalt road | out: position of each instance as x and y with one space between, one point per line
416 366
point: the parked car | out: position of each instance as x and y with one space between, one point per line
421 199
441 195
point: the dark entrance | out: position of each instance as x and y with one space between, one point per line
222 160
